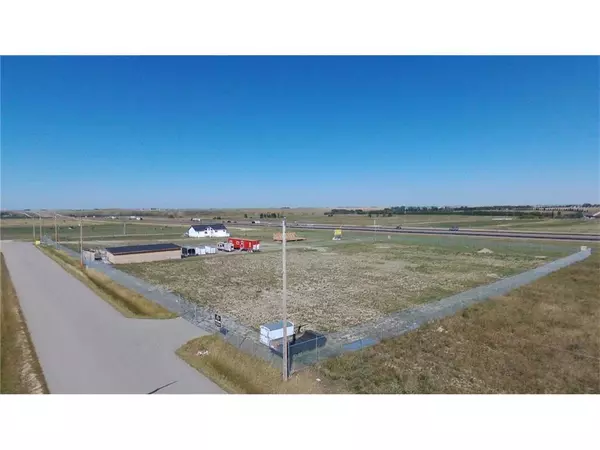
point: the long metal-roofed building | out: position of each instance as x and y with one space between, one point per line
142 253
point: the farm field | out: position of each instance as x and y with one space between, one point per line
20 229
410 220
334 285
540 338
475 222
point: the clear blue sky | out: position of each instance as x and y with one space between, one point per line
81 132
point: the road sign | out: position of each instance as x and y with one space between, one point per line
218 320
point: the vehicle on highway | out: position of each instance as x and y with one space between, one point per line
453 228
398 227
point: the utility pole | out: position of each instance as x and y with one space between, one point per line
284 307
55 232
374 231
124 228
41 235
81 241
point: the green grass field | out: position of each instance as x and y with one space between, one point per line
69 230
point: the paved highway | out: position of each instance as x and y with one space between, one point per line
87 347
549 235
480 233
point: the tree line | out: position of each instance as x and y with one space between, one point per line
519 211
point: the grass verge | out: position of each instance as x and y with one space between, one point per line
20 370
541 338
127 302
239 373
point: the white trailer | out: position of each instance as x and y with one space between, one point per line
225 246
272 333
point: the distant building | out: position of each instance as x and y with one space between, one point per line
212 230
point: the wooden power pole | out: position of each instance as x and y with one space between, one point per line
284 307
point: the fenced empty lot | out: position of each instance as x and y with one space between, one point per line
540 338
336 285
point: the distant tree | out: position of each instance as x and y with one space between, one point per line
245 216
559 214
262 216
370 215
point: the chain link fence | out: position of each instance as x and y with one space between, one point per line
396 324
322 347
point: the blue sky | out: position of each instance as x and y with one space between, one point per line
83 132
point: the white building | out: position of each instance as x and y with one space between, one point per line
214 230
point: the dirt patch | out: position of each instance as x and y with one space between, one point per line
332 290
485 251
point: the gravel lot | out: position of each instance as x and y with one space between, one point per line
331 287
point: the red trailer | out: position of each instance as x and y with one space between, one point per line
249 245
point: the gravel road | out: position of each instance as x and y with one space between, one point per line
87 347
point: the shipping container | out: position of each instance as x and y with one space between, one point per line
249 245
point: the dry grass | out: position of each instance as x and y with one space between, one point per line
330 287
541 338
20 370
239 373
127 302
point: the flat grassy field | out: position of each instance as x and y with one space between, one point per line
21 229
334 285
541 338
20 370
317 215
239 373
447 221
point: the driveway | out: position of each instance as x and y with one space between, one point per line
87 347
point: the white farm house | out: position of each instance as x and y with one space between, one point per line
214 230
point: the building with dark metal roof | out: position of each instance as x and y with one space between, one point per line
142 253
